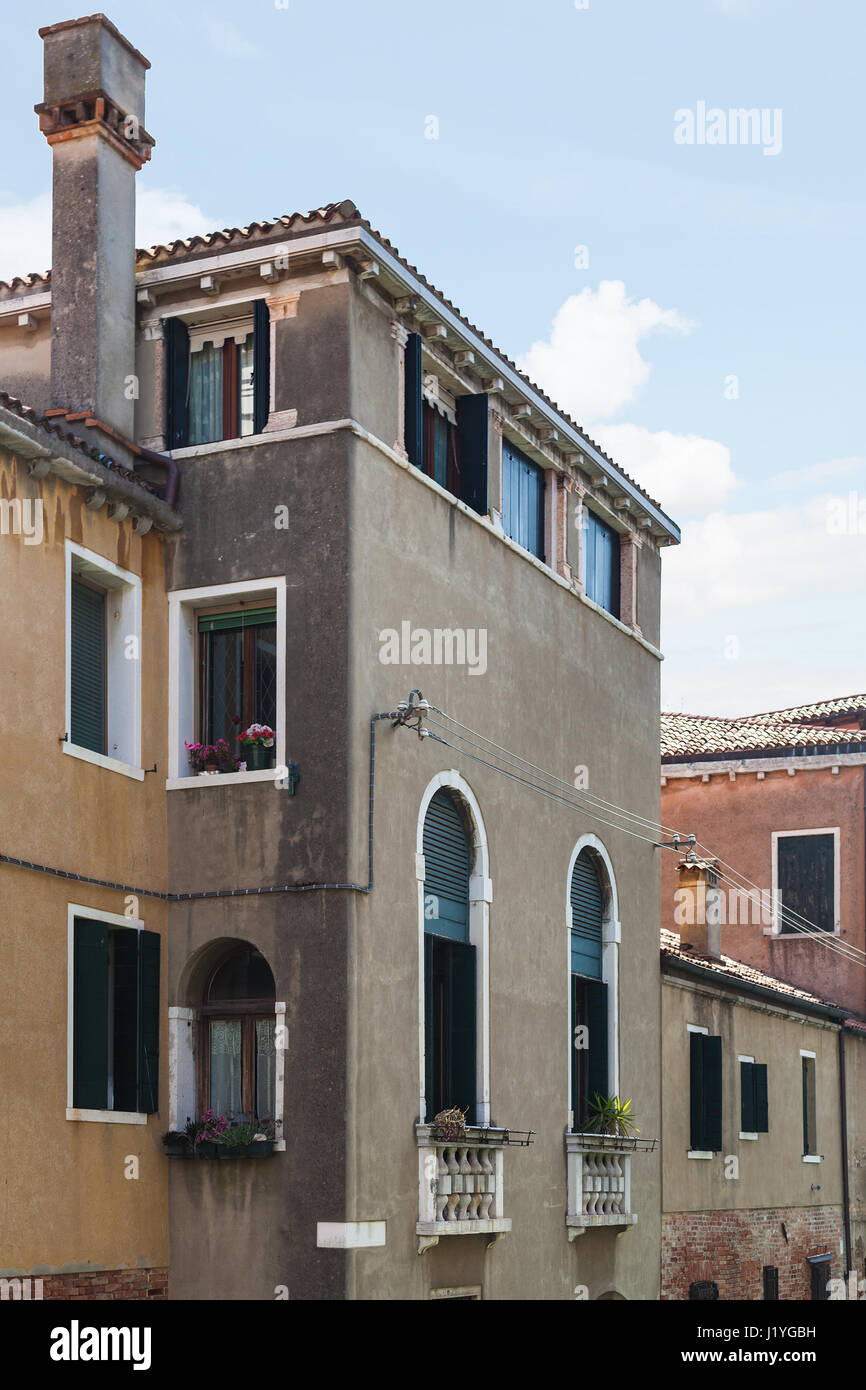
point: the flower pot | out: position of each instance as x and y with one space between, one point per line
207 1149
178 1150
236 1151
260 1148
258 756
211 768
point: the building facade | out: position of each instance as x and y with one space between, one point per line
408 900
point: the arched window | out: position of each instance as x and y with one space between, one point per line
589 991
237 1054
449 961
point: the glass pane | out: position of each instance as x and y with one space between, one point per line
245 366
265 697
245 975
266 1063
205 415
225 1066
224 695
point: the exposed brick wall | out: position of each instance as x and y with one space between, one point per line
731 1247
106 1284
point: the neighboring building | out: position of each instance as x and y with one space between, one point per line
368 489
764 1140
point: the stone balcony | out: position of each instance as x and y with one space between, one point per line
460 1186
599 1181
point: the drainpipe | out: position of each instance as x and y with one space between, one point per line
843 1113
169 493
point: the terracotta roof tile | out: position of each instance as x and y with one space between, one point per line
49 423
822 709
707 735
735 970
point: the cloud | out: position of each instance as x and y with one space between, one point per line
591 364
687 474
161 215
226 38
818 472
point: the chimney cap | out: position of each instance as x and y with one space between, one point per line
95 19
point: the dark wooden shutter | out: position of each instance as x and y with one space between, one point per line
90 969
148 1022
771 1282
177 381
429 1030
472 417
446 871
596 1014
696 1091
414 401
759 1076
126 1019
747 1098
261 365
712 1092
462 1041
806 881
87 667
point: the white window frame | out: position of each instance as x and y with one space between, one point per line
123 675
116 1117
745 1134
480 898
698 1153
611 928
776 836
812 1158
183 605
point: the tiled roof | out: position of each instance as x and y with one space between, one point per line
707 735
344 213
52 425
823 709
735 970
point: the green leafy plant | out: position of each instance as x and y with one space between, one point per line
610 1115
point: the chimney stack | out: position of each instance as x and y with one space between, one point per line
92 116
697 907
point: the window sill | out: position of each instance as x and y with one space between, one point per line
699 1153
110 1117
100 760
745 1135
616 1221
813 1158
221 779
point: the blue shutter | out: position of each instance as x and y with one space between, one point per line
522 500
602 564
414 401
177 374
87 667
446 859
587 911
472 424
261 365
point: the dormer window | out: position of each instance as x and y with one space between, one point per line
218 377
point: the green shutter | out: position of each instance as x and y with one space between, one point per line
587 913
224 622
461 1041
472 435
125 1022
747 1098
90 1015
429 1032
261 365
596 1016
87 667
148 1022
697 1136
759 1076
712 1093
177 381
446 869
413 428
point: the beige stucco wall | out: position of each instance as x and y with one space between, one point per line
66 1202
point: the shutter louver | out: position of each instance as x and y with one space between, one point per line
587 915
90 969
472 433
446 874
177 381
261 365
87 667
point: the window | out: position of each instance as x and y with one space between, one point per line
218 378
237 1052
704 1291
522 500
806 884
103 665
753 1097
454 455
114 1017
705 1091
602 563
589 993
237 671
810 1141
449 962
227 658
771 1283
820 1271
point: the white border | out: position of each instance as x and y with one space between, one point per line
611 937
124 579
182 663
480 898
776 836
116 1117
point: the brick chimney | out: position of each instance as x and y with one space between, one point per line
92 116
697 912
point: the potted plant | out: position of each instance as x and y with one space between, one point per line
208 1133
202 759
177 1143
257 742
612 1117
450 1124
237 1138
